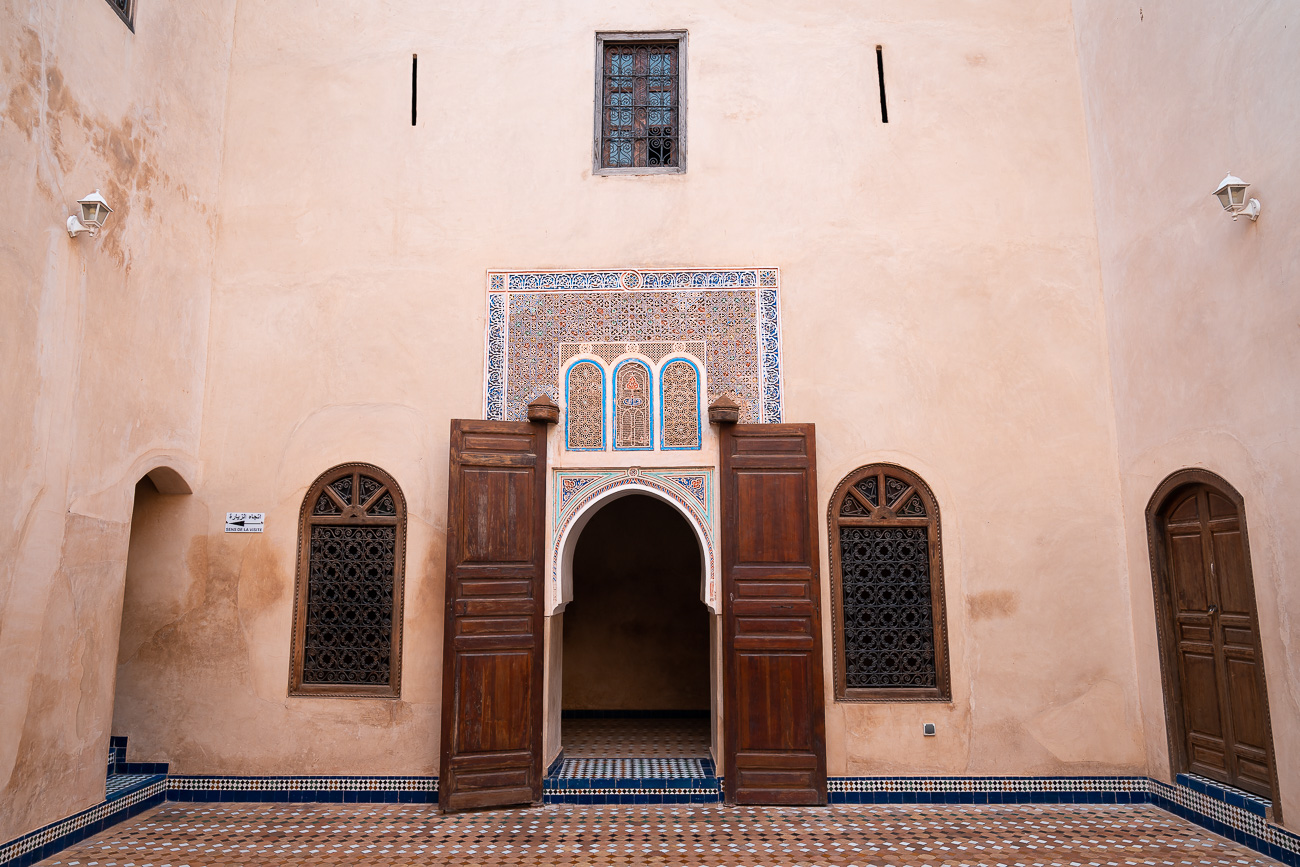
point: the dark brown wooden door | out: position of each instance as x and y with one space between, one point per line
1211 598
775 723
492 656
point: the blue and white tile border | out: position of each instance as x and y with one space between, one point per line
57 836
1221 810
320 789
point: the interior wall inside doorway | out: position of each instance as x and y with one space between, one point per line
636 635
161 643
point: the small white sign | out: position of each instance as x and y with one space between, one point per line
245 522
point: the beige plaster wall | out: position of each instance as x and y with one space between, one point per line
104 344
941 308
1203 312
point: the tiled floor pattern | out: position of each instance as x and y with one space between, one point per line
634 768
635 738
216 835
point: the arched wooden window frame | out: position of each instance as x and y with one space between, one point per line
884 516
353 514
1162 500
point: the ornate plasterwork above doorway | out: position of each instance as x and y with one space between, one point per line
578 493
535 317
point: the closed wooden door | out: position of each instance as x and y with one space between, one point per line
492 652
775 724
1218 700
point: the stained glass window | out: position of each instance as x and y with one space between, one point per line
890 628
585 407
632 406
681 405
348 601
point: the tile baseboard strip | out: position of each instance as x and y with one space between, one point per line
319 789
1210 806
57 836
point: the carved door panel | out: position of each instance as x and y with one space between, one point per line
1211 598
493 653
775 724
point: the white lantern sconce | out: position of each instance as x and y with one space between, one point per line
94 213
1232 195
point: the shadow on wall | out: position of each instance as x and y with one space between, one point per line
636 635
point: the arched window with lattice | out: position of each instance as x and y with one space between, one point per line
679 405
891 640
632 406
347 638
584 413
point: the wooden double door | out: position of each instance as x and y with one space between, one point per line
1216 703
494 629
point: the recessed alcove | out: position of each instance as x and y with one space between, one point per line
636 636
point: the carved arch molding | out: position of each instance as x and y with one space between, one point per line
577 494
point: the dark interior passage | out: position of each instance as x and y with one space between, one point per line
636 635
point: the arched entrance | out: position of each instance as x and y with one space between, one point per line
152 628
636 661
1216 704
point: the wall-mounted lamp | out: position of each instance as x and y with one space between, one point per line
94 213
1232 195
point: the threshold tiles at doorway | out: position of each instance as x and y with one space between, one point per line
633 781
639 768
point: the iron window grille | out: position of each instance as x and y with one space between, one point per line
347 636
640 103
125 10
890 625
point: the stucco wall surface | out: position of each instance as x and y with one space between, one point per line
104 343
941 308
1203 313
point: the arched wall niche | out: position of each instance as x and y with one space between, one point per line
168 481
560 590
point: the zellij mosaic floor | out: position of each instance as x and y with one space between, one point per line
194 835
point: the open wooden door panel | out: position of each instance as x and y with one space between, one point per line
493 644
775 720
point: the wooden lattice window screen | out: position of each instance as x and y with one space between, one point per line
347 637
887 588
640 124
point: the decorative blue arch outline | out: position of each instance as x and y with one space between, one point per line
699 425
649 395
603 403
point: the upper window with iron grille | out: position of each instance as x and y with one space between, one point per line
640 129
125 10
